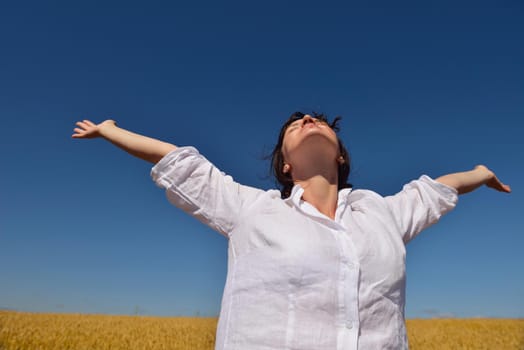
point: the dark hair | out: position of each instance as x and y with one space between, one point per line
277 158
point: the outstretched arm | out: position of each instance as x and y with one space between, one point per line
143 147
468 181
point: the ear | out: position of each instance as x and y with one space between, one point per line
286 168
340 160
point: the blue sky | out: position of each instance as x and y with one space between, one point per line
423 88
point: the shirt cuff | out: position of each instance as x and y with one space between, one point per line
448 192
163 165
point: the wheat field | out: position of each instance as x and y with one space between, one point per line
34 331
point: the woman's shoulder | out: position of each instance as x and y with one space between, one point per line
362 194
360 199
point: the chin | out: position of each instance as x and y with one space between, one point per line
318 145
319 139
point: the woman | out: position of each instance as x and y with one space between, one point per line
316 265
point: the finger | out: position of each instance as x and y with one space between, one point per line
499 186
82 125
88 122
502 186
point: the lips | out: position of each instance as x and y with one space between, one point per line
309 125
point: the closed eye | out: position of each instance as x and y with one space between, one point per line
292 127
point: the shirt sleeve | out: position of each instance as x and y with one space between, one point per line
420 204
196 186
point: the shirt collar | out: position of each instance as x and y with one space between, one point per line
296 196
343 195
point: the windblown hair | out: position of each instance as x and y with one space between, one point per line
277 158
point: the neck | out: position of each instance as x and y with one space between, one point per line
320 193
317 173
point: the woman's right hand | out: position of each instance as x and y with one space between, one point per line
88 130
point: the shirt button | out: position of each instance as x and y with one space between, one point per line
349 325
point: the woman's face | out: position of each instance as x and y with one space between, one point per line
309 137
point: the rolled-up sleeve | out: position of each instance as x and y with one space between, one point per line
420 204
196 186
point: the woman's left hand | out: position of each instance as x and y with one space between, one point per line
494 182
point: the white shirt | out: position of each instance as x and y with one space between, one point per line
297 279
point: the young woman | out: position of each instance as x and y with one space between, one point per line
316 265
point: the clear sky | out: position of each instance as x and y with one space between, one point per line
423 88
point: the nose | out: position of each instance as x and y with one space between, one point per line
307 119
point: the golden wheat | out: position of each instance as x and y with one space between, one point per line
23 331
33 331
467 334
